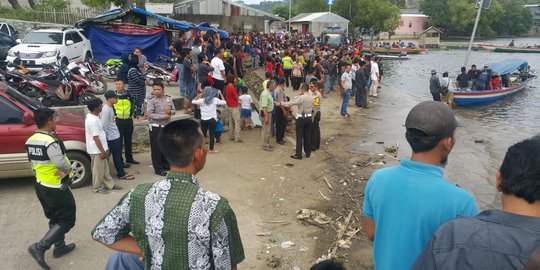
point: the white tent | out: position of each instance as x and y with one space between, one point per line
316 22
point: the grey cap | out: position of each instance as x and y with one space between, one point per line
433 71
433 118
110 94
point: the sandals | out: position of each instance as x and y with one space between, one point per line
127 176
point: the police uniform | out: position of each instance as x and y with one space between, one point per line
303 123
124 110
156 107
316 118
48 156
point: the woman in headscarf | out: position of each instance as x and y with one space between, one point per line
208 102
136 83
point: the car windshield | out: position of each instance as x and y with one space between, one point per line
43 38
16 95
333 39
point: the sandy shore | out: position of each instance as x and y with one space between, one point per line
265 189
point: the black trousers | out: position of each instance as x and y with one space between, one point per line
280 124
296 81
209 125
303 135
287 73
361 97
219 84
58 206
316 132
158 160
125 126
436 96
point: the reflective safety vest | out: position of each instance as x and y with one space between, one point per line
123 108
316 101
287 62
36 148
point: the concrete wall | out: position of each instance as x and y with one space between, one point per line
24 27
230 24
411 24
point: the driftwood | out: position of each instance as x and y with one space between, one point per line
335 246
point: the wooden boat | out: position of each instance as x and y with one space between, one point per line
468 98
395 51
390 57
509 49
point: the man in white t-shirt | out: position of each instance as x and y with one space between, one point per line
219 70
374 75
96 146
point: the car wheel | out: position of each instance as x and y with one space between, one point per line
64 62
88 56
82 170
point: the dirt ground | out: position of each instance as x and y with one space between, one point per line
265 189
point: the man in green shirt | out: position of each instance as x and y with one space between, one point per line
174 223
266 106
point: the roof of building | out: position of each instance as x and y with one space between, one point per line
414 15
318 17
430 29
240 5
160 8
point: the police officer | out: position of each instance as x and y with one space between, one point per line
53 172
124 110
160 110
305 104
316 88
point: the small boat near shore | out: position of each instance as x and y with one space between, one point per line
507 49
395 51
390 57
507 67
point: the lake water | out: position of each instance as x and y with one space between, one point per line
494 127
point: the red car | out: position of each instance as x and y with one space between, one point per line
17 125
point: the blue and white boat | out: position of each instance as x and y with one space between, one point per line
507 67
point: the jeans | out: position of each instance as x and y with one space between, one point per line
124 261
273 124
115 146
345 102
436 96
254 61
181 83
327 84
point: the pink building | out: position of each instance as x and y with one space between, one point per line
411 25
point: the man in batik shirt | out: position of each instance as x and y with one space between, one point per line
174 224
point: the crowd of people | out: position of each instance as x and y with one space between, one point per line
421 221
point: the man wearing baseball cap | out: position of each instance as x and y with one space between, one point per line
404 205
435 86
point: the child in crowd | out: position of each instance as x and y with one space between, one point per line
245 114
219 127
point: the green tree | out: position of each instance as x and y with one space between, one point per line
120 3
283 11
456 17
52 4
377 17
399 3
347 9
308 6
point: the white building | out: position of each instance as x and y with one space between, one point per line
316 22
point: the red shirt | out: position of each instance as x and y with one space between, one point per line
231 96
496 84
269 67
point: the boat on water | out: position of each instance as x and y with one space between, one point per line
390 57
507 49
507 67
395 51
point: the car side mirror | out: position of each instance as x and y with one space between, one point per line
19 41
28 119
69 42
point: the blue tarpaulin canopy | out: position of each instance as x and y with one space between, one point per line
508 66
175 23
206 27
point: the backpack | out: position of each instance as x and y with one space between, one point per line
444 88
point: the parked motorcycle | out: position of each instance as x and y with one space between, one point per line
112 66
88 70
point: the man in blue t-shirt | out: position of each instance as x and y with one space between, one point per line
406 204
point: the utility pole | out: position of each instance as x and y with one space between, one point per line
290 7
480 6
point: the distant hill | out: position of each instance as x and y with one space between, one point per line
267 6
